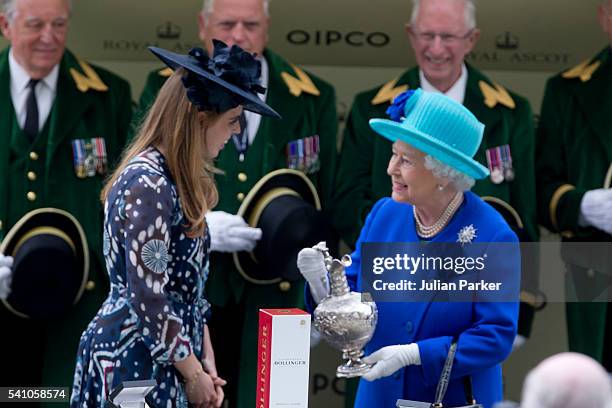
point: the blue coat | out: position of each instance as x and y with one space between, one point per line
484 330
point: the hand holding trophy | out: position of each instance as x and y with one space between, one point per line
345 321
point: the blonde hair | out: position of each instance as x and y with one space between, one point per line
175 125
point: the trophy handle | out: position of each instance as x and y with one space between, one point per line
330 263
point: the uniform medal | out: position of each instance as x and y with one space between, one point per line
90 159
78 158
303 154
307 153
291 155
497 176
100 151
300 153
495 168
507 163
315 163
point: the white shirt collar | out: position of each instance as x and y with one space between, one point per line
265 74
254 119
456 92
20 78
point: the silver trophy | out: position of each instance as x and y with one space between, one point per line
345 321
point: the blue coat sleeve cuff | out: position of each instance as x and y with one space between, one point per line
433 355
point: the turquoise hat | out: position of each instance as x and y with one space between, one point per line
436 125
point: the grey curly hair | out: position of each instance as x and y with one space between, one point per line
459 180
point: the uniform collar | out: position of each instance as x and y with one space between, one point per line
456 92
20 78
254 119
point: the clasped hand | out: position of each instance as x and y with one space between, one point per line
204 391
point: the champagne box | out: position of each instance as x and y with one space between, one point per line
283 356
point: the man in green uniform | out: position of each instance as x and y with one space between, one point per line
574 162
442 33
58 115
307 106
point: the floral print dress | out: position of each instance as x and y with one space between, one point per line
155 312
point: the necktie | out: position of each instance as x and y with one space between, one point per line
241 140
31 123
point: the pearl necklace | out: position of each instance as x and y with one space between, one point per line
430 231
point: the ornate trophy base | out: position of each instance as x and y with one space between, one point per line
354 367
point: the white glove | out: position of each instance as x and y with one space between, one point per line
312 266
519 341
231 233
389 359
6 275
596 209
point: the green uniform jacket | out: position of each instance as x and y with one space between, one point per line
574 154
304 115
75 114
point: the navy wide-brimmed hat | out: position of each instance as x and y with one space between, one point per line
287 208
50 263
227 79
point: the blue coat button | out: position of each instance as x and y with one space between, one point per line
409 327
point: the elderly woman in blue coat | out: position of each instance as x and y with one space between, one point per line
432 170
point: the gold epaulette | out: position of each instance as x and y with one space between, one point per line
302 83
388 92
584 71
496 94
166 72
89 79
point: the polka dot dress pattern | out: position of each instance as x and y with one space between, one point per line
156 311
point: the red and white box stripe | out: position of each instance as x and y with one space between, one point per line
283 357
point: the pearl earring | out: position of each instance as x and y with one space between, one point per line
440 187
